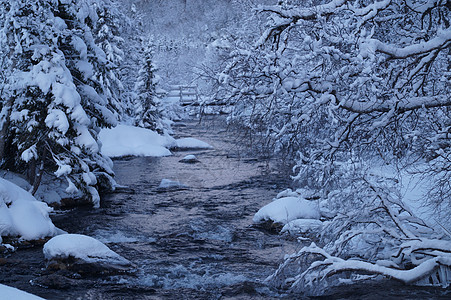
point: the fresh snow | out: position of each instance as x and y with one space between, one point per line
8 292
82 247
192 143
125 140
287 209
22 215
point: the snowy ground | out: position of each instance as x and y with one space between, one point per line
10 293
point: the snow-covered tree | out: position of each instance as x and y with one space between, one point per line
107 34
147 113
347 88
53 103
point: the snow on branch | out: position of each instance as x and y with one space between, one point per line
410 104
406 276
441 41
298 13
435 269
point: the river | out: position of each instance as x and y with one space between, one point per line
196 242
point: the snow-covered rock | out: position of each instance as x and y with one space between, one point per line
287 209
8 292
22 215
125 140
171 184
299 226
192 143
189 159
83 248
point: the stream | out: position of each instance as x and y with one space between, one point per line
192 242
195 242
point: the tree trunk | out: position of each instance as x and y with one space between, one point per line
38 177
4 125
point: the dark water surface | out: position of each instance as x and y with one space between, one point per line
192 243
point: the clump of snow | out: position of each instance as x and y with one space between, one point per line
303 226
287 209
8 292
81 247
22 215
192 143
125 140
170 184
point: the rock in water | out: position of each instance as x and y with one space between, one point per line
170 185
189 159
83 254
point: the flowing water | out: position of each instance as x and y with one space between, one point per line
195 242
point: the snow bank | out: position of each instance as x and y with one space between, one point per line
192 143
81 247
124 140
22 215
8 292
287 209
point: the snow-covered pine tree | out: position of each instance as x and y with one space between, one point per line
57 105
147 113
107 34
131 32
88 63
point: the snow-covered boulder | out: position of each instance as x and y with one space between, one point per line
189 159
77 251
22 215
303 226
287 209
8 292
192 143
124 140
167 184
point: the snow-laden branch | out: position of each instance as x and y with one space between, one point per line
438 267
406 276
298 13
441 41
409 104
372 9
293 15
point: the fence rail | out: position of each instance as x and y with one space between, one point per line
188 94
